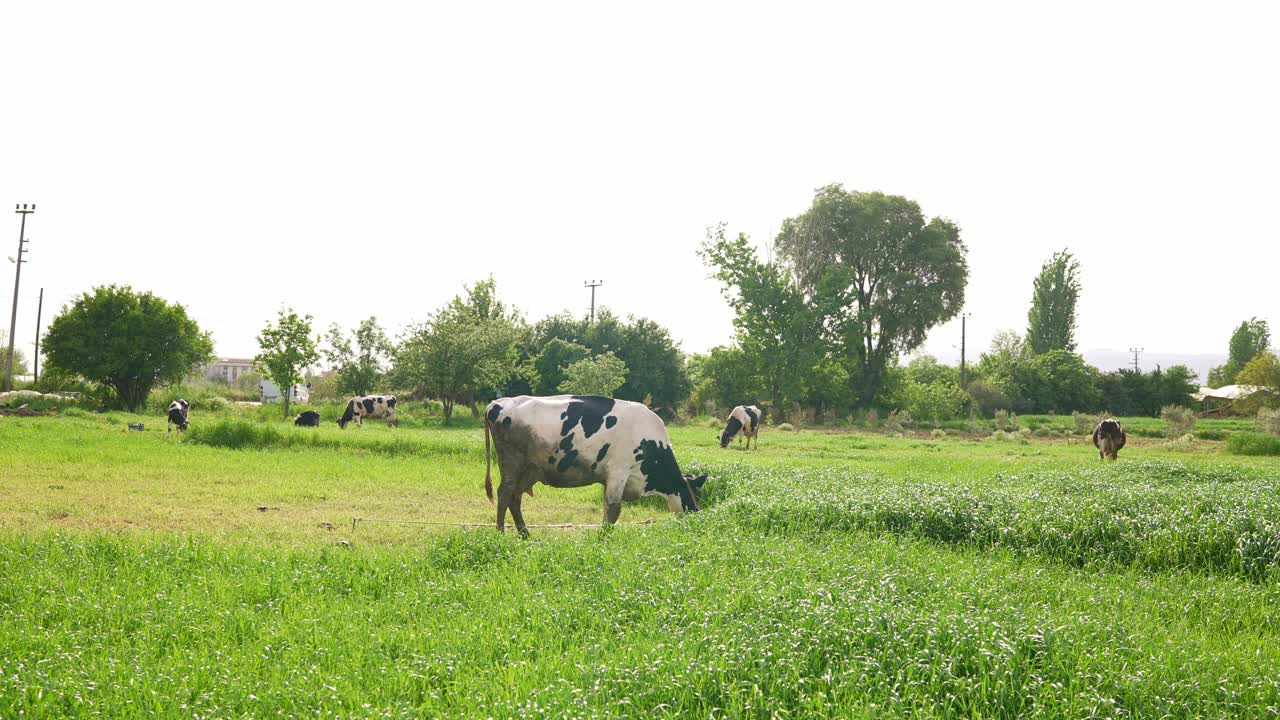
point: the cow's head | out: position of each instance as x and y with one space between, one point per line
691 496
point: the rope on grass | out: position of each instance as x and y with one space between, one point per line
558 526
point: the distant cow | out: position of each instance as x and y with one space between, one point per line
578 440
744 419
1108 437
369 406
308 418
179 410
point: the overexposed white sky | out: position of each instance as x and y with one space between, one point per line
371 158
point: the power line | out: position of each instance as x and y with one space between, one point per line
1135 352
593 284
24 210
36 358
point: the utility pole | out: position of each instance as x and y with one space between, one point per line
1135 352
963 318
24 210
35 373
593 284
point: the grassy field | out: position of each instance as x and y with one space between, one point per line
144 574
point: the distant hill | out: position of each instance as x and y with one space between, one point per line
1147 361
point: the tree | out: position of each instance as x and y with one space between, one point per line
1058 381
655 366
359 371
726 376
878 274
466 350
1262 372
1051 322
285 350
774 322
1249 340
19 360
548 368
127 341
599 375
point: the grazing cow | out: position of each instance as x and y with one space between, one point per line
308 418
744 419
371 406
178 413
578 440
1108 437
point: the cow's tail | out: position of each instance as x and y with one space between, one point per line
488 477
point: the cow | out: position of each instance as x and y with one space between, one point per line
179 410
578 440
1108 437
307 418
372 406
744 419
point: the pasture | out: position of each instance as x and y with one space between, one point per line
832 574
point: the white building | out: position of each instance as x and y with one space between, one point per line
269 392
228 370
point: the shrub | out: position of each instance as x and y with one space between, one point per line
1044 431
897 420
873 419
988 398
1002 420
1085 423
1178 420
786 427
1013 421
1243 443
938 433
1270 420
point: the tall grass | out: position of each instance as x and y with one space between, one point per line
1253 444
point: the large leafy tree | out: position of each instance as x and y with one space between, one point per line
775 324
1262 372
466 351
359 367
1058 381
655 367
599 375
725 377
1051 321
127 341
286 348
548 367
1249 340
879 273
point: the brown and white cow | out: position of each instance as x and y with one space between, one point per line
369 406
744 419
1108 437
578 440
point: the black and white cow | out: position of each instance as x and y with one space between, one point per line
307 418
1108 437
744 419
369 406
179 410
578 440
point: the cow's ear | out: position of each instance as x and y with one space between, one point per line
698 481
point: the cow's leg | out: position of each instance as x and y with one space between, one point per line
516 516
612 502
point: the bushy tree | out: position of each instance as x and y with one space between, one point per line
1262 372
19 359
937 400
774 322
1058 381
1249 340
286 348
360 368
465 352
599 375
727 376
1131 392
655 365
1051 322
877 272
548 367
127 341
988 398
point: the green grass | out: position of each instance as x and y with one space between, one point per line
831 575
1254 444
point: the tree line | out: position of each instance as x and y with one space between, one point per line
852 286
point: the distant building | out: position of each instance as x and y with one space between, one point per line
228 370
268 392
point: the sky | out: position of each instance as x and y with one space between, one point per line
373 159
